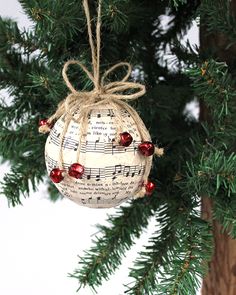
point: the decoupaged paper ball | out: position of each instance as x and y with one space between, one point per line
112 173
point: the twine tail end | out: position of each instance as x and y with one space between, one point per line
44 129
140 194
159 152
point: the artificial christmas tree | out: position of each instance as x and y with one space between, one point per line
199 159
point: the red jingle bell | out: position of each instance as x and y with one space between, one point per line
76 170
150 187
43 122
125 139
146 148
56 175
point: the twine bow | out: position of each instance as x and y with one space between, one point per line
103 93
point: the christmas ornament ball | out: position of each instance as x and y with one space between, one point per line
109 171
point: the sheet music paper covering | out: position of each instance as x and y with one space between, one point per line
113 173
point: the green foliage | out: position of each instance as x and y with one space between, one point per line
174 256
212 171
182 274
212 82
113 241
224 212
218 17
199 154
178 2
56 24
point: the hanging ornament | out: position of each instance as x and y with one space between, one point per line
99 152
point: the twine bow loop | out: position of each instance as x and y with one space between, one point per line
102 90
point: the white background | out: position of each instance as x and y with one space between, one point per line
40 240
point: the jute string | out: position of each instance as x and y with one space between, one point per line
83 102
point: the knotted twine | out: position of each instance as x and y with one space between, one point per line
102 94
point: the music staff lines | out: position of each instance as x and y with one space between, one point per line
101 113
103 173
93 146
102 201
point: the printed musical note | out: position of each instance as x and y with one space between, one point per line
113 146
133 171
96 144
53 163
135 144
67 143
98 176
104 201
126 171
76 146
107 113
111 113
88 173
94 173
117 171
